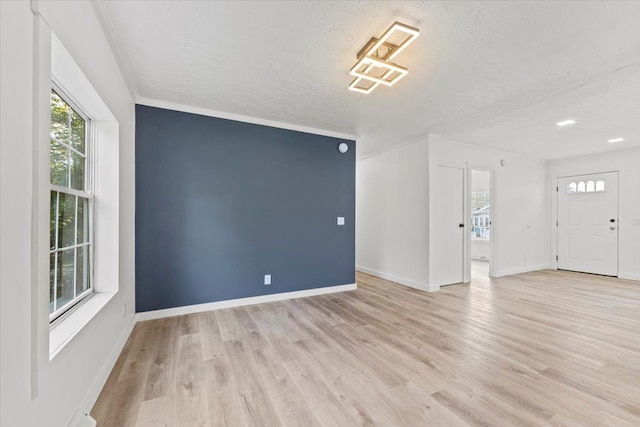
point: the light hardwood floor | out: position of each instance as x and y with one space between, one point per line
542 348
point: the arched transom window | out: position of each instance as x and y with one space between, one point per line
590 186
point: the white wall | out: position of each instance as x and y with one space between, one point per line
16 44
480 249
392 214
627 162
521 202
480 181
33 390
392 209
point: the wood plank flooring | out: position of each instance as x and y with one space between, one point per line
542 348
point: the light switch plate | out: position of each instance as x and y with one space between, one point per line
340 220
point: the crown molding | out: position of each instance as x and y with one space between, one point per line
241 118
418 138
109 29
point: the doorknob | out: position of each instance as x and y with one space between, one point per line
460 225
612 220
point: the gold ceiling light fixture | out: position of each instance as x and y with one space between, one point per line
374 66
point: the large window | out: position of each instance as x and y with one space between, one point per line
70 246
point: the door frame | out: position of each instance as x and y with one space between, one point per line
555 193
467 167
492 201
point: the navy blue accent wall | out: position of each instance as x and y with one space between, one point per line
221 203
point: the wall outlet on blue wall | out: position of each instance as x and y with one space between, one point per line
267 279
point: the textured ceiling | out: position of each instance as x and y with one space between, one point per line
497 74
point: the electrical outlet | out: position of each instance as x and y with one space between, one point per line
340 220
267 279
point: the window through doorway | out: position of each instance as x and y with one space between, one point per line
481 221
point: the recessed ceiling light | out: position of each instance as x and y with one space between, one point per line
614 140
374 64
566 123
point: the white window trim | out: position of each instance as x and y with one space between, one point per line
104 129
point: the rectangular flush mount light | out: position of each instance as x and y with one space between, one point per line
376 56
614 140
392 72
566 123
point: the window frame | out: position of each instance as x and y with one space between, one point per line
107 135
62 312
594 189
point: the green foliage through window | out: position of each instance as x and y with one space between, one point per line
69 243
68 145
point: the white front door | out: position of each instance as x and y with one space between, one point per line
448 231
588 223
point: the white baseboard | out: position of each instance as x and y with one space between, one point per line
93 393
400 280
519 270
198 308
82 419
629 276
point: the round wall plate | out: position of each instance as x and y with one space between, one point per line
343 147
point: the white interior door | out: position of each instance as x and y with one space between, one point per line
588 223
448 232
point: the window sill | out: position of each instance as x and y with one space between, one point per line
62 333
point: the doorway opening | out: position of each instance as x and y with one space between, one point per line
481 219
